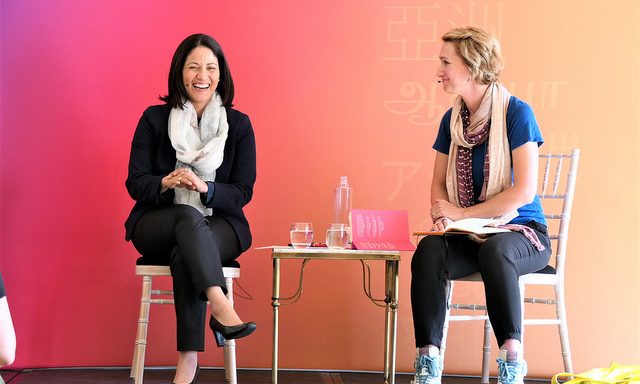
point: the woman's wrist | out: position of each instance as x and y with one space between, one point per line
204 187
163 185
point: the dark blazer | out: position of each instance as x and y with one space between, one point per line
153 157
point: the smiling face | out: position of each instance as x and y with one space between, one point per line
453 73
200 75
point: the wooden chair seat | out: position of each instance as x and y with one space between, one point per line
155 296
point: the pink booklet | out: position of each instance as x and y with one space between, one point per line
375 230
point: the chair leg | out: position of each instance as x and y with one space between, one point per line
563 329
137 366
522 303
230 345
445 326
486 351
134 361
230 361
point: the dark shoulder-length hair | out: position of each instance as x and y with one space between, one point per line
177 92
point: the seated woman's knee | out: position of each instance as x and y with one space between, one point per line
429 253
187 215
495 252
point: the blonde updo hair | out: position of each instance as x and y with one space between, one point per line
479 50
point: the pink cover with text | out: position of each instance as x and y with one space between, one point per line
380 230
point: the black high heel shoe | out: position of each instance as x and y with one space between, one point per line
219 339
195 375
222 332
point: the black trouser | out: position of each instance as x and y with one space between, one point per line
195 247
500 260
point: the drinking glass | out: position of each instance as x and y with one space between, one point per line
337 236
301 235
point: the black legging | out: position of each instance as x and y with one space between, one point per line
500 260
195 247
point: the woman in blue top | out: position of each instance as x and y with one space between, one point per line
486 166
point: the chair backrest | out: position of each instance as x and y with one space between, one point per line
556 190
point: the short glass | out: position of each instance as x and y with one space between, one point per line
301 235
337 236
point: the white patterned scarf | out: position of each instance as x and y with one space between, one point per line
492 111
491 116
199 147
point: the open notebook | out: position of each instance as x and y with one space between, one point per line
476 226
376 230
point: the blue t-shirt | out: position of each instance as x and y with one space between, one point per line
521 128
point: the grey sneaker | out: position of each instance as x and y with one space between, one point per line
510 372
428 369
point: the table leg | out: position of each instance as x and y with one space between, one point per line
275 303
387 337
391 320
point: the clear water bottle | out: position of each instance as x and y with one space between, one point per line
342 203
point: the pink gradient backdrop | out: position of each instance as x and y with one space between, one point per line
333 88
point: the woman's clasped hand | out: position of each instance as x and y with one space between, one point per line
184 178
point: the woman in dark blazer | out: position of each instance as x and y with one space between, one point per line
191 171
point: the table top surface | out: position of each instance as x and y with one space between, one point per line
332 254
